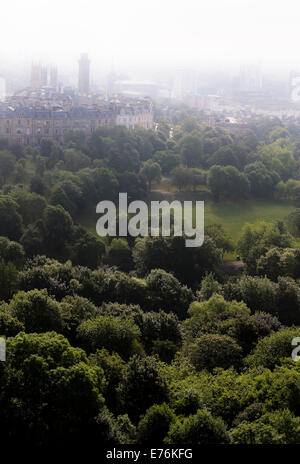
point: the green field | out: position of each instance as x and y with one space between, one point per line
234 215
231 215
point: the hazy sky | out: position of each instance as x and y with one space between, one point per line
162 33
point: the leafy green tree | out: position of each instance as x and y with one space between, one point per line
115 334
294 219
74 310
270 350
189 265
208 287
166 293
11 252
124 160
10 220
87 250
167 160
142 386
36 310
120 254
30 205
227 182
255 433
74 160
201 429
262 180
191 150
9 325
45 378
8 279
210 351
57 227
113 367
7 165
155 424
151 171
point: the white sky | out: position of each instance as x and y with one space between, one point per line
162 33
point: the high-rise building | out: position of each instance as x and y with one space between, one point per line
84 74
44 76
53 77
35 77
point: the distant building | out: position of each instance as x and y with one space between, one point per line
84 74
2 89
35 76
42 76
250 78
53 77
32 115
136 88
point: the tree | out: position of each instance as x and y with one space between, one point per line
213 350
11 252
74 160
255 433
74 310
7 165
36 310
10 220
199 429
209 286
155 424
189 265
294 219
227 182
9 325
116 334
113 367
158 327
191 150
120 254
166 293
37 185
45 378
58 227
124 160
224 156
30 205
270 350
167 160
262 180
87 249
142 386
151 172
8 279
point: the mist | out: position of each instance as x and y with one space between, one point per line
220 35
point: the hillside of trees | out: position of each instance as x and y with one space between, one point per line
119 340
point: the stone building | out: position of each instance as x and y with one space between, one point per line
29 125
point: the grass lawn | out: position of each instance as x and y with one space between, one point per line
231 215
234 215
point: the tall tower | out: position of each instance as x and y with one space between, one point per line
84 74
53 77
44 76
35 77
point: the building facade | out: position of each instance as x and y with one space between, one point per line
84 74
29 125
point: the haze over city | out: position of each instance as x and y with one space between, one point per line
219 35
